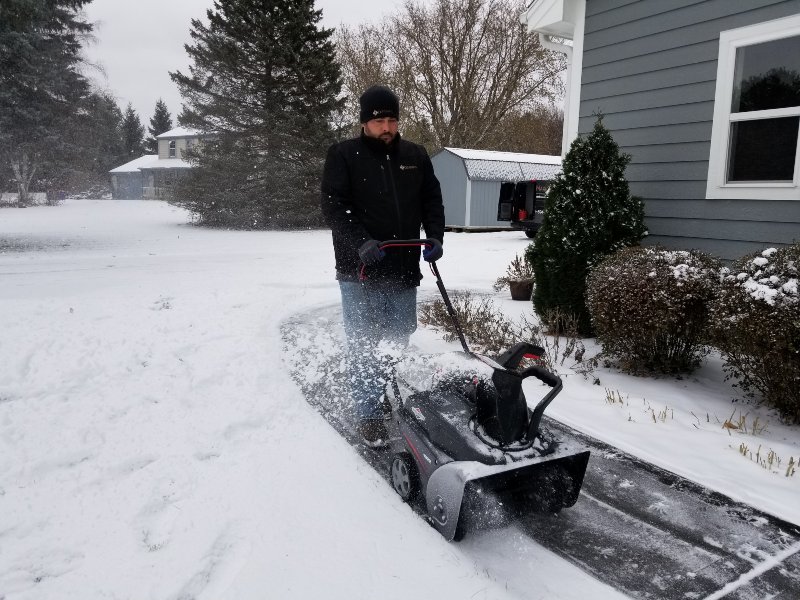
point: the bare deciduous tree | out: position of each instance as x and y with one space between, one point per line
464 69
364 59
537 131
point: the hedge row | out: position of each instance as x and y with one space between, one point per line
661 311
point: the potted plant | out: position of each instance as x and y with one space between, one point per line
518 278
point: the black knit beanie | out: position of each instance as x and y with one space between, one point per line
379 102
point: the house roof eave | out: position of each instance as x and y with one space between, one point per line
551 17
182 132
135 165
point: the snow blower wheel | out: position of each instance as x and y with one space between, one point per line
405 480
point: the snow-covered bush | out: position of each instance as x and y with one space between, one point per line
589 213
756 326
649 307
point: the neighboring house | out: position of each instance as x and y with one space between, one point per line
705 97
492 190
127 181
151 176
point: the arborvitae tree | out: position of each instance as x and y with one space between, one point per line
589 213
264 81
160 122
132 132
41 89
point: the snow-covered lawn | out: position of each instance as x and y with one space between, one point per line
153 445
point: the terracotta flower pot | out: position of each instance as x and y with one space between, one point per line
521 290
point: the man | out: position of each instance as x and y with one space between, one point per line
378 187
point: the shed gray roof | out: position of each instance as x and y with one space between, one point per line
484 165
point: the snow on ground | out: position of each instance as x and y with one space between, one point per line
152 444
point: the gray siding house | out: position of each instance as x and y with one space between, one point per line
151 176
705 97
127 181
487 190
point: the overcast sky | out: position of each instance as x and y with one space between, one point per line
138 43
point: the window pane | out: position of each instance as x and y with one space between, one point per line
767 76
763 150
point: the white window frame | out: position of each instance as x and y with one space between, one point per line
172 149
729 42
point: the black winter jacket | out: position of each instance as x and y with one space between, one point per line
371 190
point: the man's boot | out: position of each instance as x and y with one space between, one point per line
374 433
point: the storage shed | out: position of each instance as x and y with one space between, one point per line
483 189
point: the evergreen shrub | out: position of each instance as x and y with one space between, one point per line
589 213
650 307
755 323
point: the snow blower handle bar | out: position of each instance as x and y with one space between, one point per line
542 375
439 283
548 378
404 243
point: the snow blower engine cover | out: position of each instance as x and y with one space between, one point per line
495 393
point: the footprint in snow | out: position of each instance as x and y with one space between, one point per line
218 566
156 519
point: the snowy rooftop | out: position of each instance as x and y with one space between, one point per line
486 165
151 161
179 132
135 164
168 163
491 155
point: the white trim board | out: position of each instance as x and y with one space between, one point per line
729 42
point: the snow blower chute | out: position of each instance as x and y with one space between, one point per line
462 432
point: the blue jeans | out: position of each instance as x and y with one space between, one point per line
378 319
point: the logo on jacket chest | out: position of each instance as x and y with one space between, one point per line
407 167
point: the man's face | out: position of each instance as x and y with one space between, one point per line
383 129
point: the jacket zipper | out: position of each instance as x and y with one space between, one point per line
394 195
397 208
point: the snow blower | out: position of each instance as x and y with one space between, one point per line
462 433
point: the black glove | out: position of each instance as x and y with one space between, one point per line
433 252
370 253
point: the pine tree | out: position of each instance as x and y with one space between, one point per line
94 132
41 88
132 132
102 124
264 81
160 122
589 213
